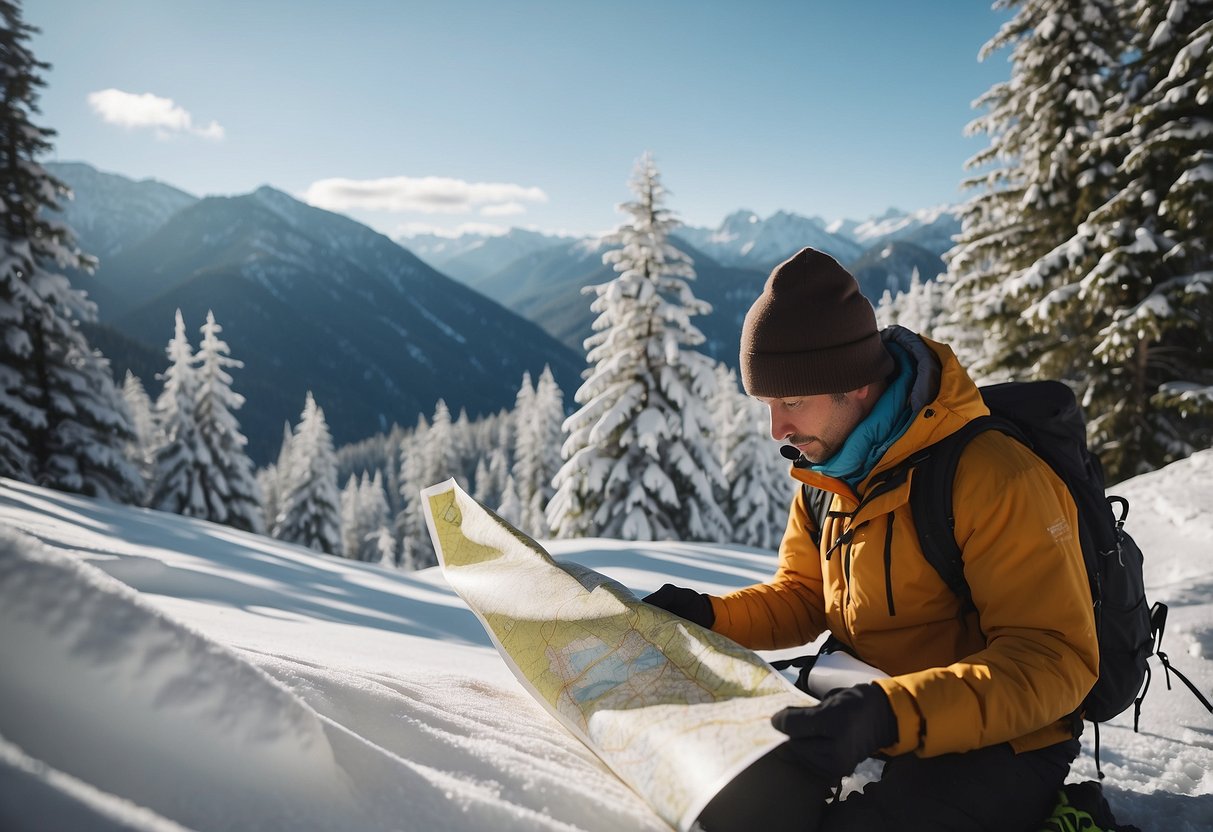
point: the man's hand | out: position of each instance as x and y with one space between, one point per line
687 603
832 738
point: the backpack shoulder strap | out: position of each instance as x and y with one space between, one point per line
817 501
931 501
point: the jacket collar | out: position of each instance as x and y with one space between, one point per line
942 397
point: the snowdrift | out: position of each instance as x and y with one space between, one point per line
161 673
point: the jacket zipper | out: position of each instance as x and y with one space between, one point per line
888 565
846 573
846 565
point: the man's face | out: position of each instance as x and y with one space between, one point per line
816 425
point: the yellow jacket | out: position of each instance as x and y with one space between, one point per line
1010 672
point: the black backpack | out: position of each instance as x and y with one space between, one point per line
1044 416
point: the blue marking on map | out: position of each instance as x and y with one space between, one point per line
585 657
605 676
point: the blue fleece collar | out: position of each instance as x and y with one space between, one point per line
889 419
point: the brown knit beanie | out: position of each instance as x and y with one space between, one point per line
811 332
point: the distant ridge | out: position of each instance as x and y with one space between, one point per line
732 261
310 300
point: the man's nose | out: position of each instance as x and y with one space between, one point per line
780 429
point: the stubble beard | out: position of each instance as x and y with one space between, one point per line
819 451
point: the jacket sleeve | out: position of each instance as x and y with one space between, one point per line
788 610
1017 526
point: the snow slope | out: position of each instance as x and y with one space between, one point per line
159 673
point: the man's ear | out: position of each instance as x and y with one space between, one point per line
863 394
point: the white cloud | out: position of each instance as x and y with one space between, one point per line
416 229
144 110
425 195
505 209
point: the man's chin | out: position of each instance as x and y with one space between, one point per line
812 451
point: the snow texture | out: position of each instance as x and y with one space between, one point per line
163 672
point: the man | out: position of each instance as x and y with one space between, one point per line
975 717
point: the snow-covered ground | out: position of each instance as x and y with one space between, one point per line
159 673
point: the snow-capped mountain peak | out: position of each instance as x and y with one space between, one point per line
745 240
927 227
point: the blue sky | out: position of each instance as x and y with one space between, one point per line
450 114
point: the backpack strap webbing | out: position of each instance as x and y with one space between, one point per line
931 490
817 501
931 502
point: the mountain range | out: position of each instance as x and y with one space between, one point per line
541 276
378 329
308 299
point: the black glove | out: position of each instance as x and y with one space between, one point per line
687 603
832 738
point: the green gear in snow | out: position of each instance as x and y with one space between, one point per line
1081 807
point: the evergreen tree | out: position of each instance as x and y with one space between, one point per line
377 544
430 462
490 491
1088 259
230 489
379 453
758 490
920 308
62 421
143 421
271 480
440 458
510 509
522 476
638 460
410 522
310 513
1037 178
463 448
538 415
480 483
365 527
182 458
1136 276
350 530
544 435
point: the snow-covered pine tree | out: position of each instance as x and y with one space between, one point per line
350 530
722 406
1036 178
377 453
232 494
410 523
385 544
510 509
490 482
544 435
377 544
143 422
271 480
310 513
430 462
1136 277
439 454
463 447
538 415
480 483
182 458
62 421
758 491
522 476
365 521
638 459
920 308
